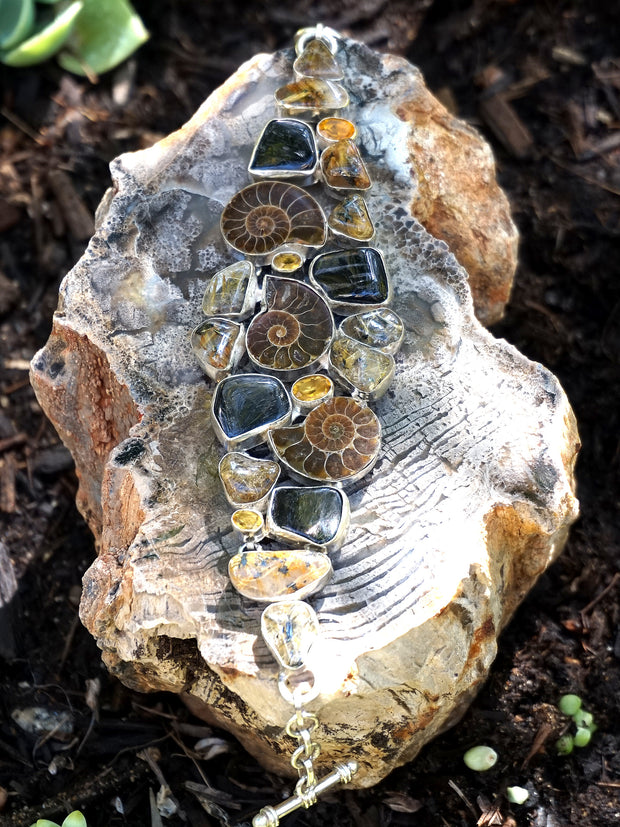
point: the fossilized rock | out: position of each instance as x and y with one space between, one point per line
471 498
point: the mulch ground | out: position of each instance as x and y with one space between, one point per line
542 82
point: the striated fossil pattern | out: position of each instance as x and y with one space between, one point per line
339 440
294 331
264 216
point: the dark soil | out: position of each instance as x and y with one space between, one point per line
558 65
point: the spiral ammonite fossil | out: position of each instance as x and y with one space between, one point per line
339 440
264 216
294 331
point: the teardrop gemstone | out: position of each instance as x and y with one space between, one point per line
245 406
380 328
286 149
343 167
365 369
350 218
229 293
247 480
351 277
316 61
267 576
311 95
290 628
317 515
218 345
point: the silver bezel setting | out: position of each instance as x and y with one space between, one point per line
349 308
290 605
304 407
290 373
337 190
303 178
301 593
256 436
297 476
250 297
390 350
323 142
236 354
360 393
272 529
259 504
362 242
313 113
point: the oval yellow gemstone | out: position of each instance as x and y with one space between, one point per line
312 388
247 521
267 576
286 262
336 129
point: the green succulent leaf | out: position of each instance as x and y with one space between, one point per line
74 819
105 34
46 42
48 2
43 822
16 21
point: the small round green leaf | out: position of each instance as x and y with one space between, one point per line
46 42
43 822
517 795
569 704
582 718
564 745
105 34
16 21
480 758
582 737
74 819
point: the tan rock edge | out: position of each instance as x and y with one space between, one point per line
470 501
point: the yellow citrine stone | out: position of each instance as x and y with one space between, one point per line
287 262
312 388
247 521
267 576
336 129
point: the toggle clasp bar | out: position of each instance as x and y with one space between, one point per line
270 816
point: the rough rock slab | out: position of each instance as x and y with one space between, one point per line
470 501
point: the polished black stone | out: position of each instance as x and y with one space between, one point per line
249 401
312 513
286 145
352 276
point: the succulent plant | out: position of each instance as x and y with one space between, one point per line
89 37
74 819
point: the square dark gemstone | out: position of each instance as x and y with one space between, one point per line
313 513
248 402
352 276
286 145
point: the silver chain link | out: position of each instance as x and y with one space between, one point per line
301 727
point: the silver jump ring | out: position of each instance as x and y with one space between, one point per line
302 694
329 37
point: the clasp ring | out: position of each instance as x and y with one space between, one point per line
319 32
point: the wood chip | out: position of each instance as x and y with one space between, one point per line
75 212
502 119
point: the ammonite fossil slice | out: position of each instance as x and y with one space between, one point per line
264 216
294 331
339 440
